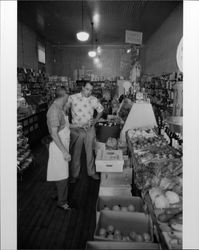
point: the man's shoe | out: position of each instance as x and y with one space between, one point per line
54 197
96 177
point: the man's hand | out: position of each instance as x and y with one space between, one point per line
66 156
92 122
85 126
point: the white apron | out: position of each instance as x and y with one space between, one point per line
57 166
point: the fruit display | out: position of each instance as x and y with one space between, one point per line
166 174
24 157
158 172
114 234
119 208
147 133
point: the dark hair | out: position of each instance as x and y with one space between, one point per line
84 83
59 92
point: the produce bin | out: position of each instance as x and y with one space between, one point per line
92 245
123 179
104 132
109 161
115 191
125 222
111 201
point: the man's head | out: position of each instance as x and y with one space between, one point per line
87 89
61 95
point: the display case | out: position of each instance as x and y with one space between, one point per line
157 178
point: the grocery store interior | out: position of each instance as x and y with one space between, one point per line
130 54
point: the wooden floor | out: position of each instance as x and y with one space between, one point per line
41 225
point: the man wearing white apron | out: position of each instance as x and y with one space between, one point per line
59 156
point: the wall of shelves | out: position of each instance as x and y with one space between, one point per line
161 91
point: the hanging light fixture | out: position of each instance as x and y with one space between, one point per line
82 35
92 53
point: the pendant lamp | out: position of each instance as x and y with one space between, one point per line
92 53
82 35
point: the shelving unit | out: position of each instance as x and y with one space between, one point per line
34 127
32 82
161 91
24 157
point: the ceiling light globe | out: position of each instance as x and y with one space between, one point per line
82 36
92 53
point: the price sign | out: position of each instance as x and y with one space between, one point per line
133 37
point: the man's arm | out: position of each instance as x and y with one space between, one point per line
68 105
58 142
94 121
98 106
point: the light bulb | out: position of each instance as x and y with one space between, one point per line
99 50
92 53
82 36
96 60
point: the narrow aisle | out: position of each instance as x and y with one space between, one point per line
41 225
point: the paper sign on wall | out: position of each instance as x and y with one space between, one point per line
133 37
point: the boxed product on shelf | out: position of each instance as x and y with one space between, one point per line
95 245
109 161
114 226
120 203
117 179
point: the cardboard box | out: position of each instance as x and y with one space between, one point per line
110 201
115 191
92 245
123 179
109 161
125 222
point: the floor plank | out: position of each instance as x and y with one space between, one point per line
41 225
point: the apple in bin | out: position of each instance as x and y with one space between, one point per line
131 208
146 237
116 208
117 237
102 232
139 238
124 209
133 236
106 207
117 232
110 229
126 238
110 236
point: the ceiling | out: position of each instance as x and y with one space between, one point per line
58 21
